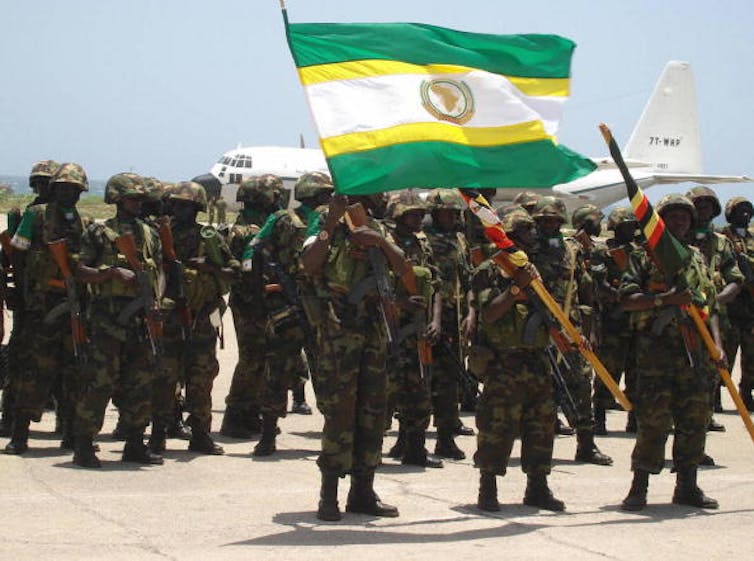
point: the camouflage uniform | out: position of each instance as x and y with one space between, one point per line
740 331
450 250
195 361
51 359
119 354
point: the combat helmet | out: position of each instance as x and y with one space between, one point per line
527 200
123 185
620 215
583 214
71 173
550 206
263 190
189 191
311 184
44 168
403 202
513 216
676 200
448 199
701 192
733 203
155 188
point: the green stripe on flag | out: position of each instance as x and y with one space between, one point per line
438 164
536 56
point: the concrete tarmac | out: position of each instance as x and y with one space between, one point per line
236 507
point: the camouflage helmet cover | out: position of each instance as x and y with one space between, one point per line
702 192
264 189
312 184
403 202
71 173
44 168
513 216
619 216
584 213
123 185
189 191
550 206
155 188
445 199
676 200
734 202
527 199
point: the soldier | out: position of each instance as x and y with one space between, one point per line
518 396
124 329
616 348
449 248
740 332
528 200
669 389
50 345
209 267
18 347
721 261
350 379
409 380
261 198
561 263
276 249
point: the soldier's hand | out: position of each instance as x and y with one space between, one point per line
412 303
468 326
722 361
523 276
337 207
434 330
125 276
366 237
675 298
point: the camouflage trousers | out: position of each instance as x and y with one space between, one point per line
350 386
445 383
285 366
669 393
50 367
193 362
408 390
737 339
578 379
117 357
517 400
247 384
618 355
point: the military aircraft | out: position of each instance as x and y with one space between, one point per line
664 148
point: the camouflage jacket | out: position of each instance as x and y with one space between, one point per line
741 310
450 253
418 251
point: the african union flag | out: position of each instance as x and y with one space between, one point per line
410 105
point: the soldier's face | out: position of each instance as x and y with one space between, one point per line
445 218
184 211
412 220
705 210
625 232
741 216
549 226
131 206
678 222
67 194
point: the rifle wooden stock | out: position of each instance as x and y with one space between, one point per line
166 239
59 252
724 374
175 268
423 346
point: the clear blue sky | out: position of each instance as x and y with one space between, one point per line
164 87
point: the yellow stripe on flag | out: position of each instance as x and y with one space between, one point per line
354 70
434 132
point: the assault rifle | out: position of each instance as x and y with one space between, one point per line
59 251
423 345
146 300
468 380
176 286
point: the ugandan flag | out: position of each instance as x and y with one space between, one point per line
669 252
401 105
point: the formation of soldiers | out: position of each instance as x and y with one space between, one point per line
391 305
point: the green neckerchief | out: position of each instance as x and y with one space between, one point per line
253 240
22 237
312 220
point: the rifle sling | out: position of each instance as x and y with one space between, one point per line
57 311
130 310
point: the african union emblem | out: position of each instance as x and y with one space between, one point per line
448 100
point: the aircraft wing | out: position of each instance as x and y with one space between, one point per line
682 177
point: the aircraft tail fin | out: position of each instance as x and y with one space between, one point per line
667 133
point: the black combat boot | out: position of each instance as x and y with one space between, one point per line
562 429
6 420
363 500
136 451
83 454
538 494
300 406
587 451
718 407
328 499
745 391
67 441
487 492
254 420
631 423
19 441
687 492
235 423
714 426
446 446
637 495
266 445
415 453
397 450
463 430
201 441
179 429
600 421
157 438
